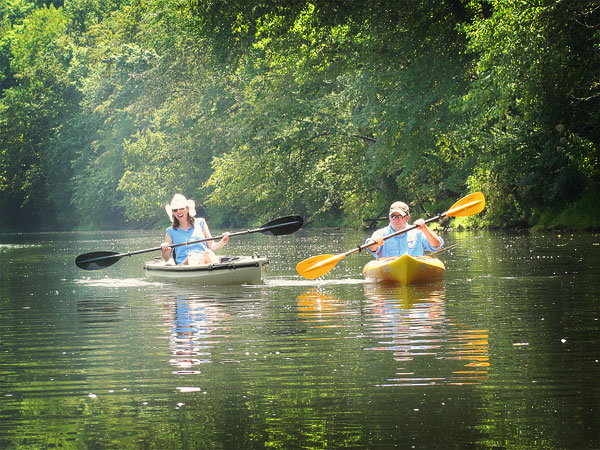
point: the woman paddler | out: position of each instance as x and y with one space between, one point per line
185 227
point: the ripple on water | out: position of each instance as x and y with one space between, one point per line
116 282
301 282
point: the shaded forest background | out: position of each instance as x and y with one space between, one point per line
331 109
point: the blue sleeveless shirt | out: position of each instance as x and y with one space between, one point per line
193 234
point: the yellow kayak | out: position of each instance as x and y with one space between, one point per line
405 269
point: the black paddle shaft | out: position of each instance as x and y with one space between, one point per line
277 227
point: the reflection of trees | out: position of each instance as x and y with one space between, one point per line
98 311
411 322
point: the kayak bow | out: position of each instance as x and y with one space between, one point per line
405 270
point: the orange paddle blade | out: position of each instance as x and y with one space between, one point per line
317 266
467 206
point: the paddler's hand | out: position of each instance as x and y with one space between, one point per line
225 238
432 238
421 224
375 243
166 251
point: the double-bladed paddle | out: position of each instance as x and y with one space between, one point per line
319 265
276 227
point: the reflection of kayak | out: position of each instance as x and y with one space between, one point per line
230 270
408 295
405 269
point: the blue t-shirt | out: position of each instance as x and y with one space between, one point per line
193 234
413 242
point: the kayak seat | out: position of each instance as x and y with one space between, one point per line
228 259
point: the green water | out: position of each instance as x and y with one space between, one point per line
503 354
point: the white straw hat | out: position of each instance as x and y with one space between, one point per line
179 201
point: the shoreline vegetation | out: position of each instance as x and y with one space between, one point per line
572 223
328 110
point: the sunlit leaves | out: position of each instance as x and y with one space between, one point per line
532 89
37 44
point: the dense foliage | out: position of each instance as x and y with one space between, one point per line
329 109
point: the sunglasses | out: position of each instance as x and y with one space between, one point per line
178 209
396 216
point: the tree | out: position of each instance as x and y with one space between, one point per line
35 173
532 107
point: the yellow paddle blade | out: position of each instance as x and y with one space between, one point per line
317 266
467 206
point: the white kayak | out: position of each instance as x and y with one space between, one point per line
229 270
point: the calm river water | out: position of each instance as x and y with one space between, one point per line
503 354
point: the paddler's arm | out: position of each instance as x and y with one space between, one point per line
211 244
434 240
165 249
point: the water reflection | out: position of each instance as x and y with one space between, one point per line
108 360
408 321
193 323
99 311
472 348
405 297
317 303
411 322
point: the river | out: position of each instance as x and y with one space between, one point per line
502 354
